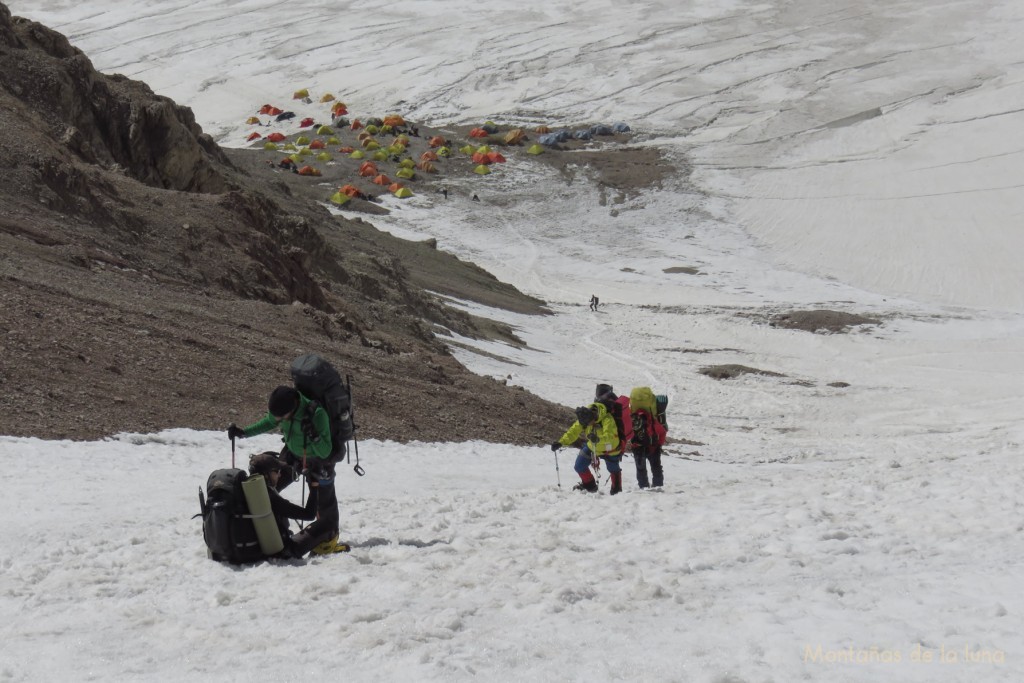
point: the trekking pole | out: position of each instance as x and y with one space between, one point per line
355 439
558 472
232 452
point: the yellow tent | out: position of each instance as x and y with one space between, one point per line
323 156
324 130
299 94
535 149
403 192
269 145
407 163
290 147
302 140
252 119
482 169
406 173
467 149
380 155
340 198
328 97
358 154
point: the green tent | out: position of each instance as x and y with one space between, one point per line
403 192
467 149
358 154
407 163
482 169
406 173
324 130
302 140
483 149
290 147
269 145
535 149
380 155
323 156
372 129
444 152
340 198
333 141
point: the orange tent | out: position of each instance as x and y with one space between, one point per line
514 136
478 133
437 141
317 144
339 109
276 137
496 157
393 120
481 158
308 170
346 150
395 187
381 180
254 136
356 124
269 109
427 167
350 190
542 129
428 156
367 169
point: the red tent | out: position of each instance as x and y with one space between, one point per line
306 123
254 136
276 137
496 157
319 144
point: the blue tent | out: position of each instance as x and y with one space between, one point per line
600 129
620 127
582 135
548 139
563 135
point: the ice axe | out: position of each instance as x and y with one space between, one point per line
358 469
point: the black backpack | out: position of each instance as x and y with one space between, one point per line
615 410
318 381
227 525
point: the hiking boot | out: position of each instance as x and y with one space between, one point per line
586 486
330 547
616 483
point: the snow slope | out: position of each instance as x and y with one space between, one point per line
856 156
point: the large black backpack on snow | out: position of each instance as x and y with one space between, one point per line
227 525
318 381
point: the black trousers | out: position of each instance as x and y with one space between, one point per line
328 518
652 455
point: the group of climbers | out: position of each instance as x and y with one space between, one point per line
316 424
610 427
